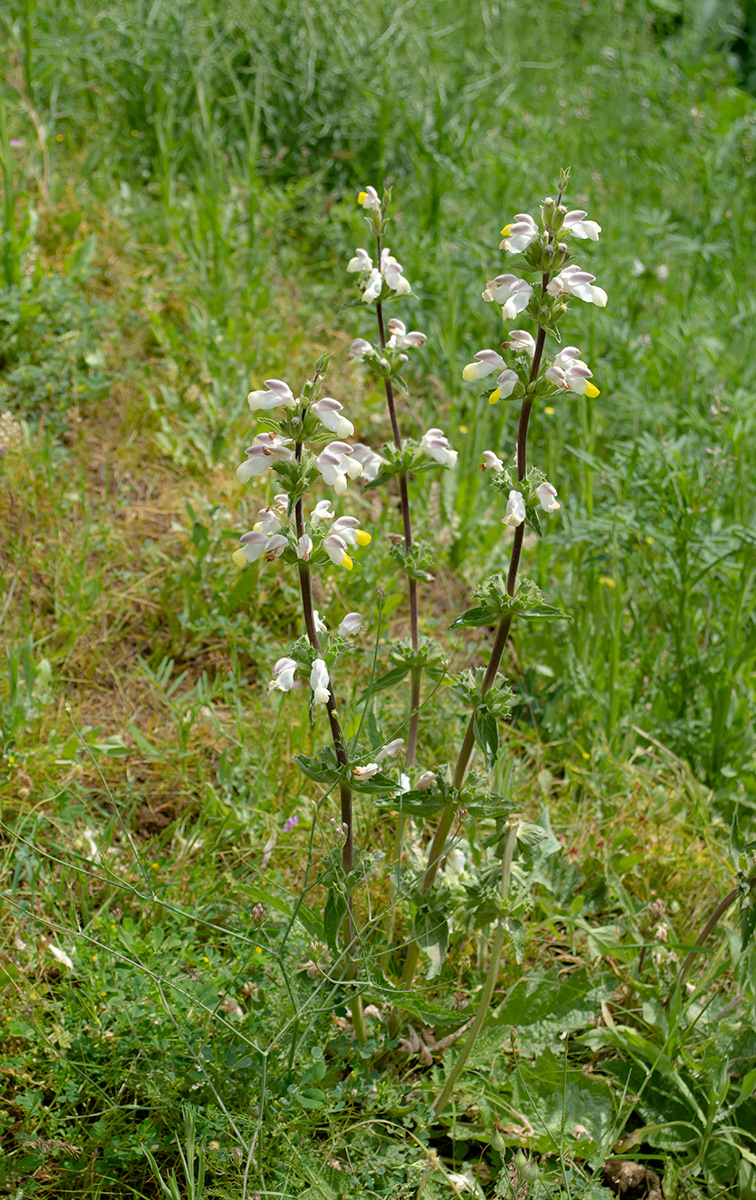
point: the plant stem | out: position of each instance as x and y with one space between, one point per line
502 633
489 984
339 745
713 920
411 751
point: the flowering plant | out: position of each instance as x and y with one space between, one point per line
297 445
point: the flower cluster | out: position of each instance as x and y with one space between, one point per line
385 279
526 373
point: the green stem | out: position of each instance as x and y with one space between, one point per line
492 976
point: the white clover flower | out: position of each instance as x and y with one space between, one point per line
328 411
391 749
368 460
436 445
400 339
369 198
304 547
319 681
336 549
351 625
571 374
255 544
266 449
573 282
575 223
360 349
275 394
486 363
336 465
511 293
519 234
349 529
361 261
366 772
320 625
522 342
515 514
491 462
322 512
283 675
547 494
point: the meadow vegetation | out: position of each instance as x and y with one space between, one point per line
179 189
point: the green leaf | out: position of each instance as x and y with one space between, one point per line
541 1008
486 733
333 915
82 257
431 932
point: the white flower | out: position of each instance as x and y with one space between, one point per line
393 273
391 749
304 547
436 445
361 261
515 514
275 394
512 293
361 348
369 198
400 338
320 625
269 522
574 282
319 681
280 503
486 363
662 273
336 549
491 462
519 234
368 459
455 864
638 268
522 341
505 385
547 494
61 956
283 675
349 529
351 625
328 411
388 272
255 544
266 449
322 512
571 374
366 772
575 224
426 780
335 466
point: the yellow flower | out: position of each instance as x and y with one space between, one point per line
549 410
607 581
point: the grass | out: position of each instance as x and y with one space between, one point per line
175 224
